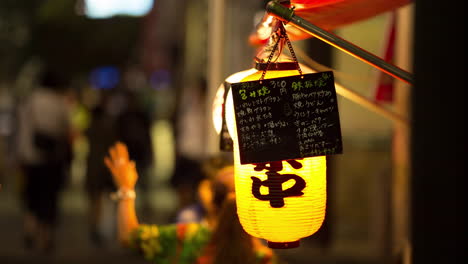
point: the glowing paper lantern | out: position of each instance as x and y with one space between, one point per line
217 109
281 205
218 102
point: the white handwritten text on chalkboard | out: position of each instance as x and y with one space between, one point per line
287 118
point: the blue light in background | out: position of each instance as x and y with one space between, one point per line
109 8
160 80
105 77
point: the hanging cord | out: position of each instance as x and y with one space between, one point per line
272 53
354 96
282 34
291 50
320 68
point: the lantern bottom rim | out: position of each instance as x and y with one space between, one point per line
283 245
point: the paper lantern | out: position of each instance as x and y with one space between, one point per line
218 102
281 206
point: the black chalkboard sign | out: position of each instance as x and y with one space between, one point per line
287 118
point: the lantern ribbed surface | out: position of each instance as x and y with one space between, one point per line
301 216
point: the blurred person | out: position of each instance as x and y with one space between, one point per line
44 156
218 238
211 167
133 128
187 175
190 145
100 134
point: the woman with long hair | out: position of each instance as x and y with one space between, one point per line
218 239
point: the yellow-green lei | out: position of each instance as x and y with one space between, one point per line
159 244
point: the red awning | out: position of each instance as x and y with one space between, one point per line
330 15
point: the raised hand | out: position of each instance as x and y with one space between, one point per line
122 168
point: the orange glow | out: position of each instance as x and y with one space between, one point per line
301 216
